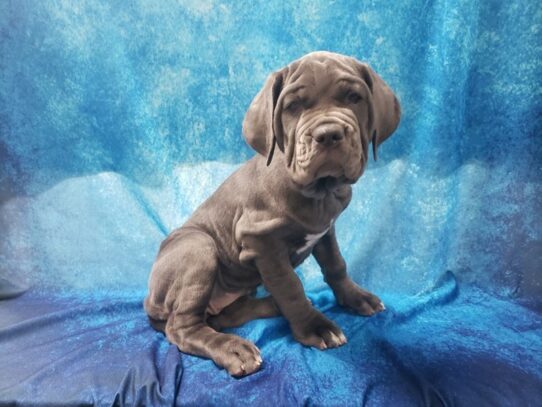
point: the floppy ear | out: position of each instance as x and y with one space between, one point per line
385 112
258 126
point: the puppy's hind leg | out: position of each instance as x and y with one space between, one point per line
194 260
244 309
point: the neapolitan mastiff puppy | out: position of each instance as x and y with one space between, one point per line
311 124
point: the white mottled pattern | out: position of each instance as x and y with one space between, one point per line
310 240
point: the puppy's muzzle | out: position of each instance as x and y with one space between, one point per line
328 145
328 134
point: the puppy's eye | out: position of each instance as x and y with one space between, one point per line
293 106
353 97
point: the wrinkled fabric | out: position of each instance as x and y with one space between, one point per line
446 346
118 119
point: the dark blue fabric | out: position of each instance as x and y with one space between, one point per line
118 119
446 346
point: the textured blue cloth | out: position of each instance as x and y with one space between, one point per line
118 119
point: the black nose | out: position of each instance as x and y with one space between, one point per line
328 134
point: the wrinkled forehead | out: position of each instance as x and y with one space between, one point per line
322 72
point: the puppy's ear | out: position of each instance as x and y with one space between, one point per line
259 124
385 112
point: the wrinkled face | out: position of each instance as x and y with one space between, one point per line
323 111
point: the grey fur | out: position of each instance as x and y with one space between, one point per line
311 124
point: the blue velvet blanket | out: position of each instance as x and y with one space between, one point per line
117 119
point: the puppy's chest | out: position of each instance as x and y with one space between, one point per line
303 242
308 241
309 229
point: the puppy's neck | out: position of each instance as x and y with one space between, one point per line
324 187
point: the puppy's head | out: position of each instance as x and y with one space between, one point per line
322 111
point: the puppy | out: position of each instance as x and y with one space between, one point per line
311 124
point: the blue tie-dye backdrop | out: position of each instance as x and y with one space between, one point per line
118 118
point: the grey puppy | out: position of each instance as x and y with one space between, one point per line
311 124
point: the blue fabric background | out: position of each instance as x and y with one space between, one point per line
117 119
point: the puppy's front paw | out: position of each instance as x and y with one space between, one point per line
239 357
318 331
352 296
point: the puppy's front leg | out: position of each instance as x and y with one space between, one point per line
309 326
347 293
